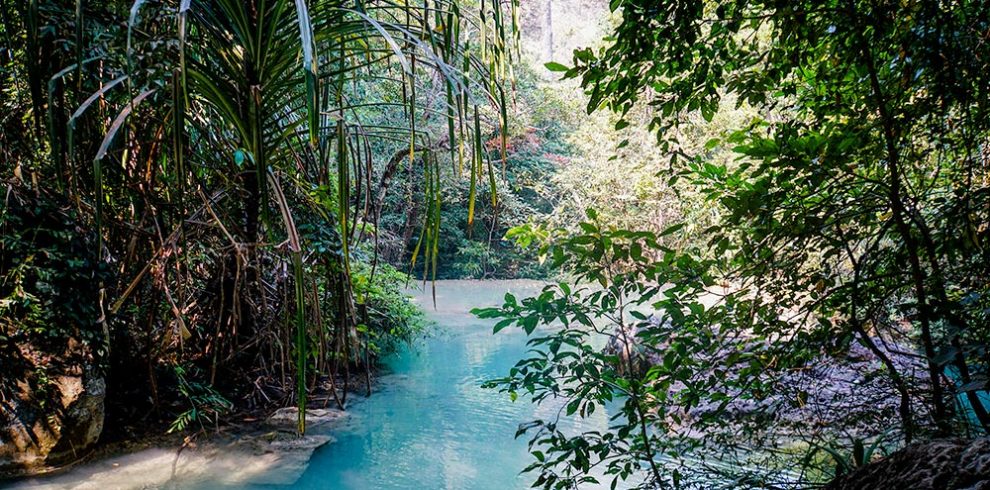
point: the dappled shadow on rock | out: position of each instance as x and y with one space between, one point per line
937 465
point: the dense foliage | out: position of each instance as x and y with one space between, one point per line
222 153
782 271
850 224
47 306
478 250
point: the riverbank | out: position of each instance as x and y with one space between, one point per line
266 452
423 401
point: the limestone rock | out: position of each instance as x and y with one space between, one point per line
276 458
287 417
945 464
38 430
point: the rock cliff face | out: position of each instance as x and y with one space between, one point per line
941 465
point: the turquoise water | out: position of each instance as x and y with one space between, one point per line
429 424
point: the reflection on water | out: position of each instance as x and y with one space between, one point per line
429 424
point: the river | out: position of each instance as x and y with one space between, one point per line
429 424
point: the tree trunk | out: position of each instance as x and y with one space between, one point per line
903 227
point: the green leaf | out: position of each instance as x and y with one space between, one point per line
672 229
502 324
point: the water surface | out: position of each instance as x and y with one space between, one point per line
429 424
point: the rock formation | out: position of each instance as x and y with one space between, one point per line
937 465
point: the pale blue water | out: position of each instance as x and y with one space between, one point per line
429 424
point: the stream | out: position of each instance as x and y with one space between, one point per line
429 424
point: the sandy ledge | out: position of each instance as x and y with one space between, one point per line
270 454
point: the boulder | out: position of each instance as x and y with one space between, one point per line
51 424
943 465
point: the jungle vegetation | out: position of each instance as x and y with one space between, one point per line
774 213
843 159
192 188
